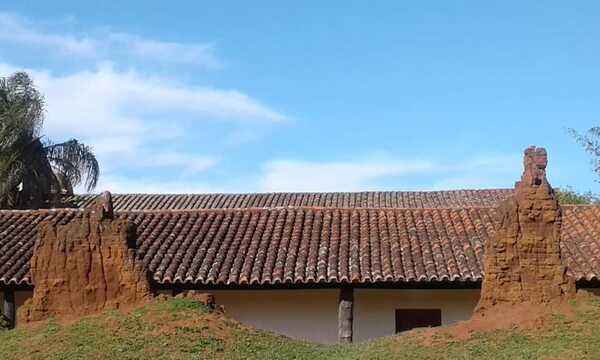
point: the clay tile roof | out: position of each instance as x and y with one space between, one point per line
18 230
580 235
379 199
309 244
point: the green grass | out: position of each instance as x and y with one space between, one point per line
182 304
185 329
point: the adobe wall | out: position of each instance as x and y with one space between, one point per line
85 266
522 260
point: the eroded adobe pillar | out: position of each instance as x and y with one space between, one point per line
522 261
87 265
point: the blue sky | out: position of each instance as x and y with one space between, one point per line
313 96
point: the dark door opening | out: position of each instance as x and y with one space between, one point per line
407 319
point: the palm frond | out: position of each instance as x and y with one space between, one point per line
26 174
31 169
21 105
74 161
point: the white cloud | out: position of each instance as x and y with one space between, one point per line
491 164
18 30
190 164
167 51
114 145
108 102
102 45
119 113
120 184
136 122
368 174
291 175
492 171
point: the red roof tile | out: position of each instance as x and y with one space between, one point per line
377 199
309 245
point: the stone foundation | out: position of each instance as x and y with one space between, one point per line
87 265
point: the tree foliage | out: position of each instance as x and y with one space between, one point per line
591 143
32 168
569 196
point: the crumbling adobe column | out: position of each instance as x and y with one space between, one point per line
87 265
522 261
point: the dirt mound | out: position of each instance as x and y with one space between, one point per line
166 327
85 266
522 316
182 328
531 317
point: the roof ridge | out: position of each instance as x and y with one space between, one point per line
192 210
299 192
44 210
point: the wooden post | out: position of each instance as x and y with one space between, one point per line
9 308
345 318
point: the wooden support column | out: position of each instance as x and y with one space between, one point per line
9 308
345 315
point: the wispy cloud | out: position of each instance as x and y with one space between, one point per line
106 101
364 174
167 51
491 164
397 173
122 184
102 45
292 175
19 30
142 127
491 171
136 122
189 163
119 112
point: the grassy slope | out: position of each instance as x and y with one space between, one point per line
181 328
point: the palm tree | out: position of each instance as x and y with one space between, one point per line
33 170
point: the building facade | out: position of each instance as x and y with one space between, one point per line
325 267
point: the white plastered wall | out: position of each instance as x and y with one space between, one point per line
375 309
312 314
300 314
